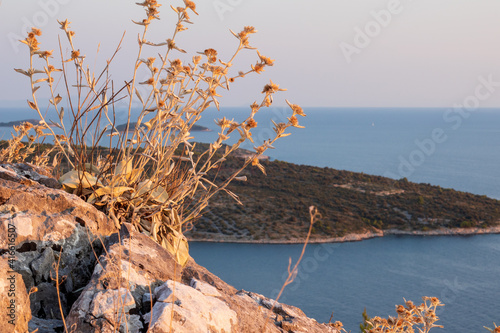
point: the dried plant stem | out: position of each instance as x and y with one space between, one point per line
292 272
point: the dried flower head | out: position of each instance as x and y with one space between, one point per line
36 31
224 123
151 8
31 40
272 88
75 55
260 149
149 81
246 31
258 68
196 60
45 54
255 107
251 123
211 55
171 45
267 61
191 5
64 24
176 64
296 109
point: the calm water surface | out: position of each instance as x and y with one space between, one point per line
377 274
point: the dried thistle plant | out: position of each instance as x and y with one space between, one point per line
17 150
153 176
411 318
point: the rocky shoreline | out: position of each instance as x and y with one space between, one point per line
355 237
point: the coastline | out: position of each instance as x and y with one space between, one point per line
356 237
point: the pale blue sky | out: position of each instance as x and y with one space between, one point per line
428 53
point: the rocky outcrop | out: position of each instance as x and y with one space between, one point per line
47 235
90 277
144 287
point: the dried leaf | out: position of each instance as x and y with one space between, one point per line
91 168
139 96
156 192
32 105
134 175
41 80
113 191
177 244
22 71
71 180
124 167
61 115
140 23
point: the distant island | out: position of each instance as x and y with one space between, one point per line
354 206
19 122
196 128
120 128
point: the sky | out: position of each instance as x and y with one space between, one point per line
329 53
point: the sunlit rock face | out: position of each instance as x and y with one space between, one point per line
91 277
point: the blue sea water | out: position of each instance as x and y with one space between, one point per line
432 146
375 274
436 146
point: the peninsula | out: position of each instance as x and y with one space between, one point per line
354 206
18 122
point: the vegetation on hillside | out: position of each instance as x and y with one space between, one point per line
275 206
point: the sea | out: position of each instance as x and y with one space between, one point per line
457 149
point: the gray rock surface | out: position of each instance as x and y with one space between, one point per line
186 299
190 309
45 325
49 227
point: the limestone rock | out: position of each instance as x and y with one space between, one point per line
15 313
204 288
22 266
192 311
110 304
132 262
42 266
45 302
20 171
48 226
53 213
197 300
45 325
